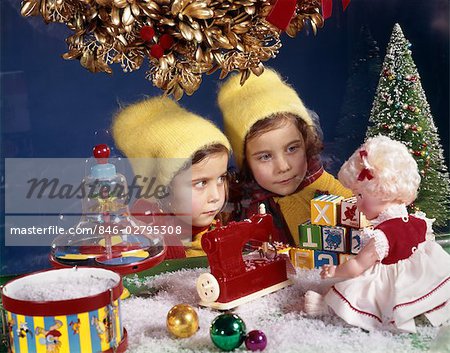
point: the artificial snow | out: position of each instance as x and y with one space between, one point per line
64 288
279 315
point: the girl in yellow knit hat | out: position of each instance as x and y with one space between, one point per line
187 155
276 145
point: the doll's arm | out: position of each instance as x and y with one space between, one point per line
366 258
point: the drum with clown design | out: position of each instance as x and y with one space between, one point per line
86 321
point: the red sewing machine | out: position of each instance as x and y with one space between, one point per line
235 280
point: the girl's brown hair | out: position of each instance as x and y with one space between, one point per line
204 153
312 141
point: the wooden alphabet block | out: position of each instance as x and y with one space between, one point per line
302 258
325 258
334 239
350 214
310 236
325 210
355 240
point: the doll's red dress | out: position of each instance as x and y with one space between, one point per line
412 277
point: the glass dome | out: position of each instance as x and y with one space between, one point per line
107 235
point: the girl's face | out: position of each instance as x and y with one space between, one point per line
370 205
277 159
206 191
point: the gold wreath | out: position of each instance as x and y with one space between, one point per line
205 36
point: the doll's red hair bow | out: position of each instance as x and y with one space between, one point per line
365 173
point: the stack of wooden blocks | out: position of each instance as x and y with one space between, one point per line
332 236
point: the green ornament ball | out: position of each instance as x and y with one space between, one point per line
227 331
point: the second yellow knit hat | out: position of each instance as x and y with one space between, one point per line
160 128
259 97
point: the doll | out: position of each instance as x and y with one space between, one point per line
276 144
401 272
187 155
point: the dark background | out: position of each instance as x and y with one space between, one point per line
55 108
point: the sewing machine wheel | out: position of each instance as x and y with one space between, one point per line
208 288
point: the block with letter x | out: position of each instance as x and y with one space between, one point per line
325 210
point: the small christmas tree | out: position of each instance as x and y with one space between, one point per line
401 111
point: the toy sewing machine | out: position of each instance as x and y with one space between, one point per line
235 280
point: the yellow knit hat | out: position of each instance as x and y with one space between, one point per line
259 97
160 128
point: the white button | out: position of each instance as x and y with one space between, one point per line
208 288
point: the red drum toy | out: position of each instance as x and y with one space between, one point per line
74 310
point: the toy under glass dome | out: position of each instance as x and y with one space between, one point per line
107 235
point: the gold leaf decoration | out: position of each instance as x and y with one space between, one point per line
181 39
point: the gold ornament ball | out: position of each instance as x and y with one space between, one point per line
182 321
419 128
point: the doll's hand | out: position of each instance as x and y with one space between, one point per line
328 271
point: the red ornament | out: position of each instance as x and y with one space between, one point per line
385 126
413 127
424 145
417 153
157 51
166 41
101 153
147 33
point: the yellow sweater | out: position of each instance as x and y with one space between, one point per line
296 208
195 248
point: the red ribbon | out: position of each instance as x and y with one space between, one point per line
282 13
327 7
365 173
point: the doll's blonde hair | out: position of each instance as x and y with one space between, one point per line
384 168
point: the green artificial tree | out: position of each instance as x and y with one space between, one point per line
401 111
